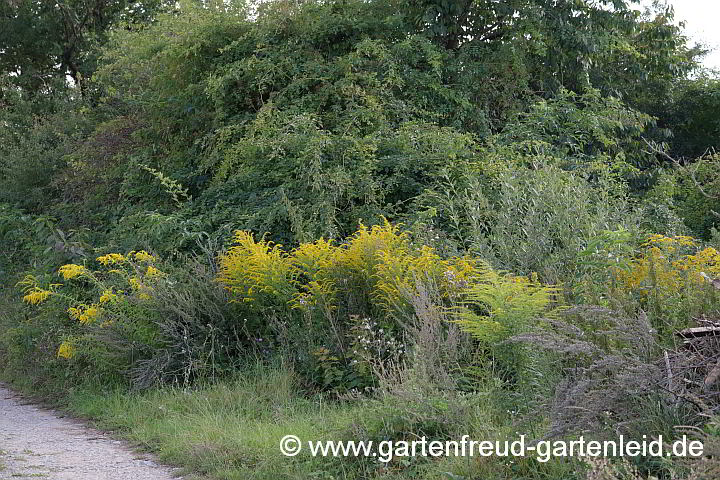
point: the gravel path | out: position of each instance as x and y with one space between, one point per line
37 443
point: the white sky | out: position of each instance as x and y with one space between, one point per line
702 24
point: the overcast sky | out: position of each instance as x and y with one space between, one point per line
702 24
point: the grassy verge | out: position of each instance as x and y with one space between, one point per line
228 430
232 430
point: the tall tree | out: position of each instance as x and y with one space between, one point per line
606 44
42 41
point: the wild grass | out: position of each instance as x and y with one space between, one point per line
232 429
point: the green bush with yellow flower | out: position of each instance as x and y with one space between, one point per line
671 278
345 307
113 293
341 308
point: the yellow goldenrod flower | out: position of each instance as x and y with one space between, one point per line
140 289
85 314
36 296
135 283
66 350
74 312
91 314
111 259
108 296
662 271
143 256
153 272
71 271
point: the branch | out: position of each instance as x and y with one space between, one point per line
691 172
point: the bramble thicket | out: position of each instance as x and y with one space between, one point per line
226 221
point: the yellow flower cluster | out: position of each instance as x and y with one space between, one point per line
381 259
143 256
251 269
108 297
135 283
36 295
669 243
153 272
313 262
706 261
85 314
663 269
71 271
111 259
142 290
135 268
66 350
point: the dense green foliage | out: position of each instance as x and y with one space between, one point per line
413 206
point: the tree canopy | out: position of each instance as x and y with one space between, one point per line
305 118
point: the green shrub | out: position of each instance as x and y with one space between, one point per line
543 219
347 311
138 320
